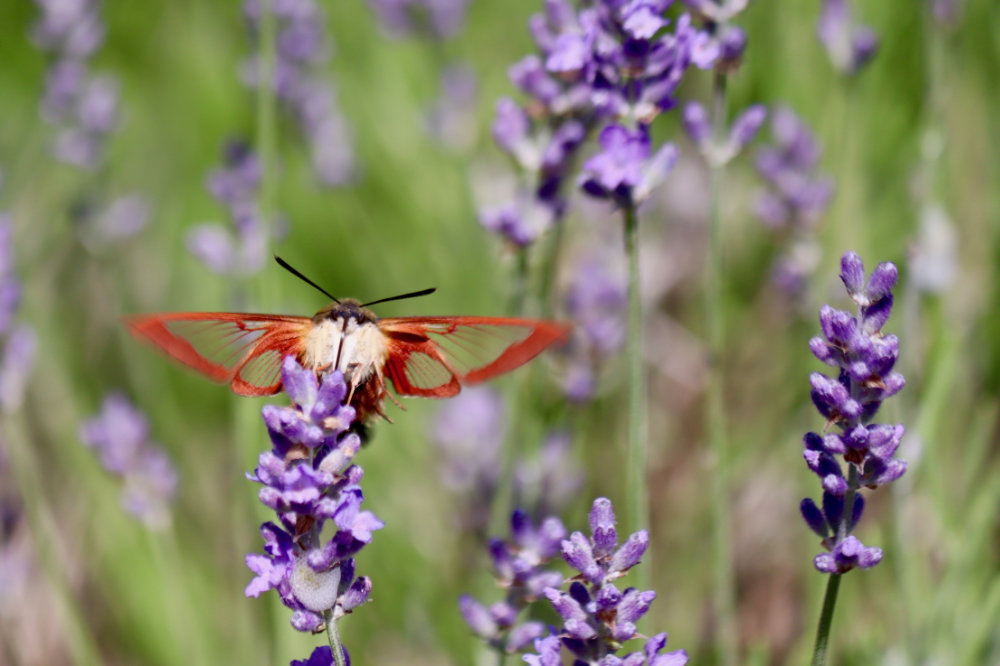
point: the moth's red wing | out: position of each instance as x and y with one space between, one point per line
434 356
244 350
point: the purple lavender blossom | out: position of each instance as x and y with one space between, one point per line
437 19
520 566
796 196
596 300
864 357
597 616
612 63
301 84
83 106
234 185
625 171
849 46
742 131
119 435
307 479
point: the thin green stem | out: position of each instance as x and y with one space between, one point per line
830 599
715 414
333 636
826 620
637 493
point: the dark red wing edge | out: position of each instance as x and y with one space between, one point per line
281 334
412 335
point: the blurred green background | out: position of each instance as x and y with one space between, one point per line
105 589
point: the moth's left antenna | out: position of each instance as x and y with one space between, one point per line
288 267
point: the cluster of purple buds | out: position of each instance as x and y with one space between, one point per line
596 300
235 186
741 132
598 617
864 357
17 341
849 46
730 41
301 84
83 105
308 480
119 435
437 19
520 566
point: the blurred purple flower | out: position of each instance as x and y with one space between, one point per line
596 300
119 435
234 185
301 84
18 342
308 479
82 105
624 171
849 46
436 19
69 27
742 131
795 197
520 566
468 433
864 357
550 480
452 120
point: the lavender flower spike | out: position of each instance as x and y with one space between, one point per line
307 478
597 616
864 358
849 46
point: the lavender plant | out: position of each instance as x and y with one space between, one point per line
850 46
84 107
794 200
308 479
864 358
235 185
598 618
521 568
119 435
300 81
438 19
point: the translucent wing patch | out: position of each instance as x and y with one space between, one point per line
245 350
432 356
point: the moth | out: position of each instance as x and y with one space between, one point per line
431 357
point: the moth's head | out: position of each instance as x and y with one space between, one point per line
347 309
